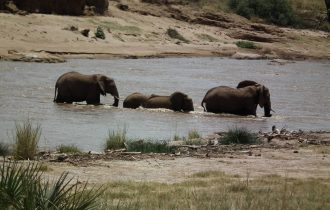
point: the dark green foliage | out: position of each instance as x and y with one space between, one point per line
115 140
149 146
99 33
174 34
240 136
68 149
275 11
22 187
246 44
4 149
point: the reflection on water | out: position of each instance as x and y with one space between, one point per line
299 93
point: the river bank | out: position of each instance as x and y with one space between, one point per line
142 31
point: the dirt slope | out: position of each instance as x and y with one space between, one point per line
140 30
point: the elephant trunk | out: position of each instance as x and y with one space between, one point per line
267 109
116 97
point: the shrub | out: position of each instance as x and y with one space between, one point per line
239 136
26 138
68 149
4 149
246 44
149 146
275 11
174 34
21 187
99 33
116 140
193 134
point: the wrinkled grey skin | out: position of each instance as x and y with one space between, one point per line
240 101
75 87
135 100
177 102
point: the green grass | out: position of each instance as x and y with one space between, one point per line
22 187
147 146
239 136
68 149
99 33
174 34
216 190
26 139
116 140
193 134
246 44
116 27
207 37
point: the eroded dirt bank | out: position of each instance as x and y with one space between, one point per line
140 30
301 155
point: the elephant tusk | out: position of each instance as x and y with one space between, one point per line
116 97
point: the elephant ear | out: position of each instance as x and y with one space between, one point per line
261 97
101 83
177 100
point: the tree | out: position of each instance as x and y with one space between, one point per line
327 4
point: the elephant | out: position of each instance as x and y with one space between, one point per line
75 87
177 101
135 100
239 101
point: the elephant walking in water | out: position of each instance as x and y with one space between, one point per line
76 87
177 102
240 101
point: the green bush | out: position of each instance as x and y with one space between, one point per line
275 11
99 33
116 140
68 149
149 146
240 136
174 34
246 44
22 187
26 139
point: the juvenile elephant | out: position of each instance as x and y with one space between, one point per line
177 102
240 101
135 100
76 87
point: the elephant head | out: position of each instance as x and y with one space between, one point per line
246 83
264 99
108 85
180 101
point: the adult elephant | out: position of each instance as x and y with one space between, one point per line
135 100
239 101
177 102
76 87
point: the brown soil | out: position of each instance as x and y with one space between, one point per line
134 29
298 155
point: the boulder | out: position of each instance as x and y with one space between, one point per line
101 6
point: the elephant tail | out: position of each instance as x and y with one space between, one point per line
55 95
202 104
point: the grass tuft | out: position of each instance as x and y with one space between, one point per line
174 34
26 139
116 140
100 33
246 44
240 136
68 149
193 134
149 146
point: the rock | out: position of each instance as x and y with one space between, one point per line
253 36
295 151
40 57
85 32
123 7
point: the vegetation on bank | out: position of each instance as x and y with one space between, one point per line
68 149
23 187
294 13
240 135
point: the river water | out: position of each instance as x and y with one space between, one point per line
300 95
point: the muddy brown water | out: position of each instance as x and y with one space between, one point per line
300 94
